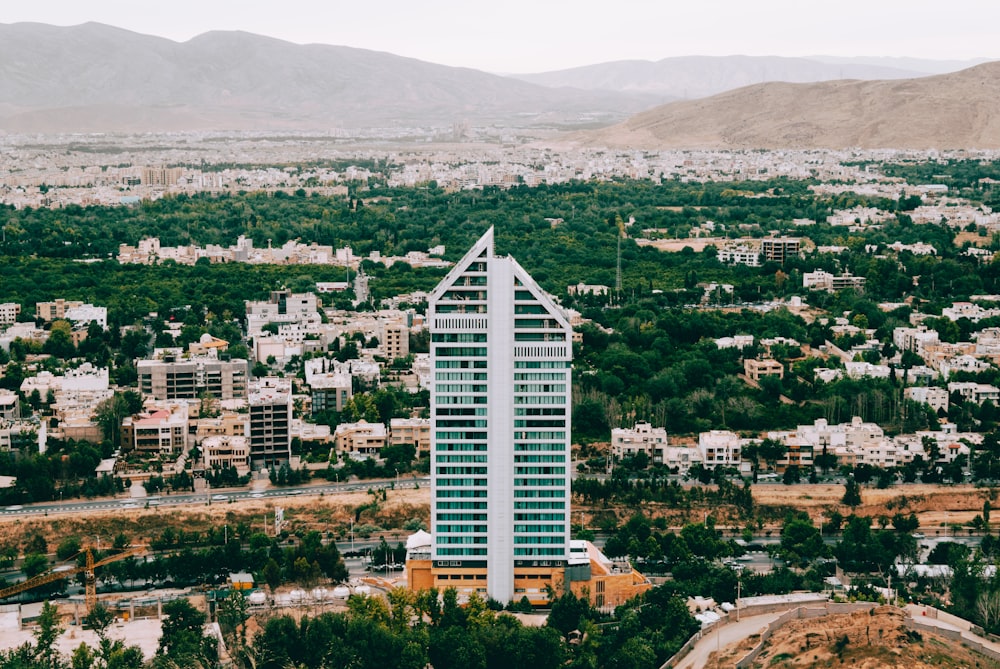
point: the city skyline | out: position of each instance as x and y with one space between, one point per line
535 37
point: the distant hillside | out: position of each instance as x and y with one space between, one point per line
692 77
94 77
950 111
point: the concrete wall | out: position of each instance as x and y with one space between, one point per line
954 635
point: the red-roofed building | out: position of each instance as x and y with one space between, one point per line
161 431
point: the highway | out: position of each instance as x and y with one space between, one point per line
210 497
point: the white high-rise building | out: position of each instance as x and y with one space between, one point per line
500 430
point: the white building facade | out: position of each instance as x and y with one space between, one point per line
500 426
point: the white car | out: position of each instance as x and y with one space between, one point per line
219 498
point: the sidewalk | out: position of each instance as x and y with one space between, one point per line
723 635
951 624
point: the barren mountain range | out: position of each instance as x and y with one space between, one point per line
96 78
948 111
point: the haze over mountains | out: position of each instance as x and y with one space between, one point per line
97 78
94 77
690 77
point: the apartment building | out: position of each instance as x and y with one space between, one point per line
51 311
221 451
174 377
283 307
360 440
720 448
936 398
270 404
162 431
641 438
977 393
779 249
755 370
500 431
416 431
9 311
395 339
831 283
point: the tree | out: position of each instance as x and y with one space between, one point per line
48 630
272 575
852 494
34 564
183 637
801 542
233 614
68 547
109 416
60 341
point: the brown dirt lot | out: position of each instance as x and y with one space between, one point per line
934 505
322 512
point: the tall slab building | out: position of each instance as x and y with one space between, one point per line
500 431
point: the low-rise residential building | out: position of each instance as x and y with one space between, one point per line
588 289
226 451
799 451
361 439
160 431
19 435
9 311
175 377
977 393
51 311
857 369
720 448
84 314
283 307
9 405
736 253
642 438
758 369
85 378
915 339
831 283
936 398
230 424
680 459
736 341
962 363
416 431
973 312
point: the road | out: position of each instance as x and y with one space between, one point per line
214 496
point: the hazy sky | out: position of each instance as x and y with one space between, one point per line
540 35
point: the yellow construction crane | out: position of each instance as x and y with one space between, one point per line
90 581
